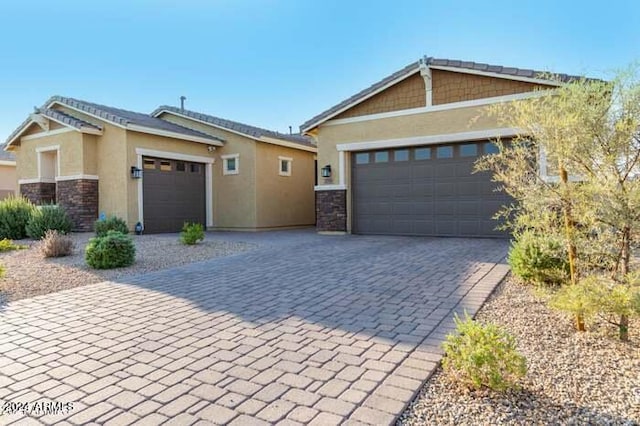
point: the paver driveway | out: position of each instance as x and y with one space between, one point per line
306 328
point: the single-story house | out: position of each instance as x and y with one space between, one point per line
163 169
8 179
397 157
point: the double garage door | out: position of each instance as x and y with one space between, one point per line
428 190
173 193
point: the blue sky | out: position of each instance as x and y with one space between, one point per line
275 63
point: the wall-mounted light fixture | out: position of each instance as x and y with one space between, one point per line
136 173
326 171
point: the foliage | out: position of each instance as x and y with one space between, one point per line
9 245
114 250
539 259
3 270
55 244
48 218
112 223
482 355
192 233
15 213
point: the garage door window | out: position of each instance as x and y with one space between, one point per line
468 150
362 158
165 165
180 166
382 157
401 155
149 163
491 148
422 153
444 152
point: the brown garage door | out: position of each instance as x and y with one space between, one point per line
173 193
426 190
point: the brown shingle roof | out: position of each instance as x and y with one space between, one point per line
436 62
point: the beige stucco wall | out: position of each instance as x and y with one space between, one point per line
234 196
8 180
70 154
284 200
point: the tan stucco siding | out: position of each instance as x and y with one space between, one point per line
234 196
284 200
409 93
405 126
70 154
456 87
90 154
8 180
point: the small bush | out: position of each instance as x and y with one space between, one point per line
55 244
48 218
112 223
114 250
482 355
15 213
8 245
3 270
538 259
192 233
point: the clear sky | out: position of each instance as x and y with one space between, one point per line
275 63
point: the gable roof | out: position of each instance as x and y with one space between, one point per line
130 120
7 157
435 63
253 132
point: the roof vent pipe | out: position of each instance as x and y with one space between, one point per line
290 130
182 99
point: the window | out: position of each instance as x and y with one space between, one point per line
381 157
195 168
401 155
165 165
491 148
180 166
468 150
422 153
149 163
231 164
444 152
362 158
285 166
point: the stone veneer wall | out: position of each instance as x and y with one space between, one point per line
80 199
331 211
39 193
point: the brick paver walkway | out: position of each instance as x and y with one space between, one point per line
306 329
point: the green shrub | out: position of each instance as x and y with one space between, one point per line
15 213
3 270
112 223
482 355
55 244
114 250
192 233
48 218
8 245
538 259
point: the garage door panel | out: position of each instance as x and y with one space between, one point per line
172 195
426 196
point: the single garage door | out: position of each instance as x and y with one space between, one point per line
428 190
173 193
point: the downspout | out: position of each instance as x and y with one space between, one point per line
425 72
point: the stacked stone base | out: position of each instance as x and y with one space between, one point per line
79 198
331 211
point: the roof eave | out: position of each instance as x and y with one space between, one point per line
175 135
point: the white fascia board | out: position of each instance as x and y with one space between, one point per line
186 117
362 99
430 140
42 134
287 144
442 107
173 156
158 132
497 75
7 163
97 117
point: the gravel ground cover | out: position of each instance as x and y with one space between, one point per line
573 378
28 274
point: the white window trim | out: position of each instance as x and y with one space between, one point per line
39 152
225 158
289 167
208 178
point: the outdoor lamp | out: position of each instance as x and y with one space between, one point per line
136 173
326 171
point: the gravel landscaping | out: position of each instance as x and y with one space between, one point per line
28 274
573 378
